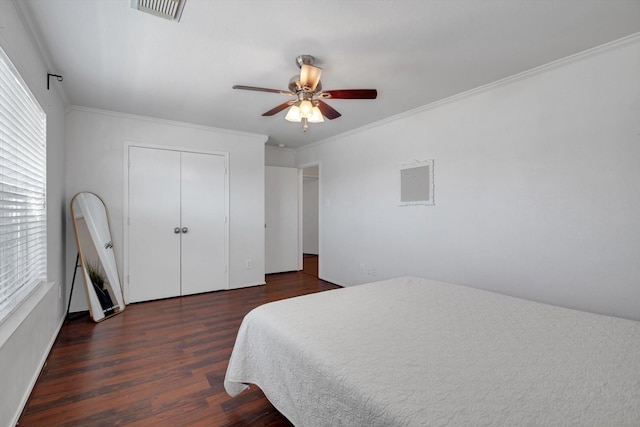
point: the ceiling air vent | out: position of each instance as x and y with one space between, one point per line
168 9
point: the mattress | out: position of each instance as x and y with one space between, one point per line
416 352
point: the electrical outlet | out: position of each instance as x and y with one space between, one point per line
248 264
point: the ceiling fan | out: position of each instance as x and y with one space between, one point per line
307 104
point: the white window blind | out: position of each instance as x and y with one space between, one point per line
23 224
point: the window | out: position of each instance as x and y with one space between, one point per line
23 223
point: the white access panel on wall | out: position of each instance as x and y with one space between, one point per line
176 223
282 206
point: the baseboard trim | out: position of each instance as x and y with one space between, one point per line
247 285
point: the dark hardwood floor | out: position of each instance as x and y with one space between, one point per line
159 363
310 264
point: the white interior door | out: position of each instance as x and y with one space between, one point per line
203 223
154 214
281 219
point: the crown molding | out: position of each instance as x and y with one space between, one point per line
615 44
261 138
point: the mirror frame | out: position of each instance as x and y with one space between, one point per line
96 310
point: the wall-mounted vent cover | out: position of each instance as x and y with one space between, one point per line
168 9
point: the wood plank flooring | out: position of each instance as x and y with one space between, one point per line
310 264
159 363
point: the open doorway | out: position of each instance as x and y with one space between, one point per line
310 219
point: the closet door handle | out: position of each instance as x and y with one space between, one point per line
176 230
185 230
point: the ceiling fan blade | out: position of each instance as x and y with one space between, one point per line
276 110
349 94
327 110
264 89
309 77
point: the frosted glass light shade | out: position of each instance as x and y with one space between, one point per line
316 116
306 109
293 115
310 76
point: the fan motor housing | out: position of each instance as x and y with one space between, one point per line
294 85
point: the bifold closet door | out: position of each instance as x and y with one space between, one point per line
154 214
177 223
203 219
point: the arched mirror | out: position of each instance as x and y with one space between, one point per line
95 250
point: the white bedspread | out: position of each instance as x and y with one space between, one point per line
415 352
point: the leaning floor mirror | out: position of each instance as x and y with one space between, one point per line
95 252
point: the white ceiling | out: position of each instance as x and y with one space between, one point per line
116 58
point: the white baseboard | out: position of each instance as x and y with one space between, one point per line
247 285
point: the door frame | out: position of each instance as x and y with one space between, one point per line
125 206
300 244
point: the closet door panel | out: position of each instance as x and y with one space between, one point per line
203 217
154 213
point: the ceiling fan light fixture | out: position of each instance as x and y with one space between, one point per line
293 115
308 105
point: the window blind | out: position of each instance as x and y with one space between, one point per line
23 223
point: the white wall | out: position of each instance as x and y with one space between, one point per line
95 162
537 188
276 156
310 215
25 344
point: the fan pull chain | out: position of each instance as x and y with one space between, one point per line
305 126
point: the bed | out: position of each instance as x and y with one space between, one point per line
416 352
